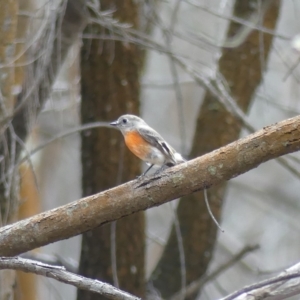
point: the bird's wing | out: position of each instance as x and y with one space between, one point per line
156 140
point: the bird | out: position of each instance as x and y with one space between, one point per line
147 144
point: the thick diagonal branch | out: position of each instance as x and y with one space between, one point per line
208 170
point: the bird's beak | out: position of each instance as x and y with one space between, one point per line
115 123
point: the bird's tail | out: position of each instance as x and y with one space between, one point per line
178 158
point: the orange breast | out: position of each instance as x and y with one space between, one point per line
137 145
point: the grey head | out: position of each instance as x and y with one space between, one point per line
128 122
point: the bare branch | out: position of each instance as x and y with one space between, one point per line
69 264
276 288
61 30
249 24
63 135
60 274
196 285
208 170
210 211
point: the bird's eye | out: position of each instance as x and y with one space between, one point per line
124 121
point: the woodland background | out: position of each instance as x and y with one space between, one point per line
65 64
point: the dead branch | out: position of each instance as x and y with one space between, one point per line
196 285
59 273
69 20
69 264
285 285
205 171
46 53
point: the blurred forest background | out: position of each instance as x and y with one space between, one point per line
202 73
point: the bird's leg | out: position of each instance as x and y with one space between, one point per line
147 170
162 168
142 175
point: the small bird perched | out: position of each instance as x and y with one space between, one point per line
146 143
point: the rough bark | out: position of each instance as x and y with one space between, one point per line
8 28
208 170
26 287
243 71
26 283
110 88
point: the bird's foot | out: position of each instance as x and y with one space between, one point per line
162 168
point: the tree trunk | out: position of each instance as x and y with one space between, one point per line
16 116
242 69
26 288
59 34
8 27
110 88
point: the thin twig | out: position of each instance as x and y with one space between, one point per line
181 253
168 33
209 210
264 283
113 253
64 134
251 23
196 285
